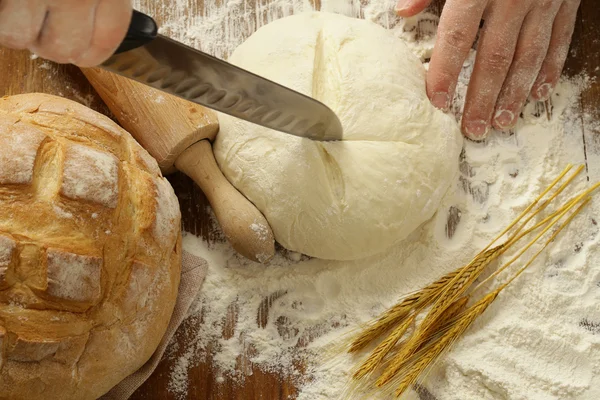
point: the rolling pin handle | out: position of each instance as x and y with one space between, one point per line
142 29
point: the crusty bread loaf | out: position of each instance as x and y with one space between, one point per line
90 251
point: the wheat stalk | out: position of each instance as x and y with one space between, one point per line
424 297
530 207
459 325
440 325
446 320
383 349
454 289
515 236
412 303
432 352
559 215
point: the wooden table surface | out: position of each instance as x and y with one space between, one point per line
21 74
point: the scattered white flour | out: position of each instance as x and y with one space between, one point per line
540 340
62 213
260 229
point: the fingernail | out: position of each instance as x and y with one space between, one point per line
441 100
504 119
402 5
543 92
476 130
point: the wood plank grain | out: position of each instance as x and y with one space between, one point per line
22 73
585 59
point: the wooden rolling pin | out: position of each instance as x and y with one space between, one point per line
178 134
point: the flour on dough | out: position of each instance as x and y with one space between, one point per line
353 198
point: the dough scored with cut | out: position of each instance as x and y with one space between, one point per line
352 198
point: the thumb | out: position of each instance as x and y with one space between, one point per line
408 8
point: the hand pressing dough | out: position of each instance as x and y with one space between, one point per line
353 198
90 251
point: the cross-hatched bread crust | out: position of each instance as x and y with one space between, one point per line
90 251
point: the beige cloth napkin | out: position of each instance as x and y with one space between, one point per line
193 272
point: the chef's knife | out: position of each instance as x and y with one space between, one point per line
174 68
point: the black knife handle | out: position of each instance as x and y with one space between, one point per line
142 29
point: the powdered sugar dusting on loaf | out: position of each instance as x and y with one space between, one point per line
167 210
91 175
61 213
7 248
19 144
140 284
74 277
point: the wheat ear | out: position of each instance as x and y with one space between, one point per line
464 280
412 303
441 324
431 353
458 326
424 297
383 349
454 289
444 319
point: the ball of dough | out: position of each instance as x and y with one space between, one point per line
352 198
90 251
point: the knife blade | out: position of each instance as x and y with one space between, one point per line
180 70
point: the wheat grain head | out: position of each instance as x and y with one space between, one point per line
432 352
455 288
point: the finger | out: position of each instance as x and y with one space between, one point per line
408 8
562 32
531 50
67 30
20 22
457 30
110 27
495 53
